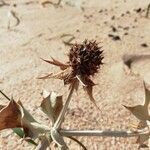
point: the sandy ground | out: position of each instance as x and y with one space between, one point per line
40 33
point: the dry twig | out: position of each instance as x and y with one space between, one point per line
14 15
147 12
52 3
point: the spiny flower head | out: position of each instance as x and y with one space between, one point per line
85 60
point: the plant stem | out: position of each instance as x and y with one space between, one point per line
78 142
5 95
64 109
107 133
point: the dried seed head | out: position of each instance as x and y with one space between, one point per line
85 58
84 61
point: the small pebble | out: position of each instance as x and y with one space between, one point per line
144 45
113 18
126 28
114 37
114 29
100 11
138 10
122 15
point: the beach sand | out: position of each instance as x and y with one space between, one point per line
30 31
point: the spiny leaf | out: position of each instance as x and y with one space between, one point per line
14 115
89 92
88 84
141 111
46 76
31 127
10 116
56 63
61 75
51 105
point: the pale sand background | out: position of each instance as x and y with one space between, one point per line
39 35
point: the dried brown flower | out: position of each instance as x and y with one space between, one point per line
84 61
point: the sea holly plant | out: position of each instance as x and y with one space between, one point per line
16 117
85 60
